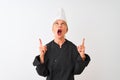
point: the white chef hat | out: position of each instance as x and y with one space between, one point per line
60 15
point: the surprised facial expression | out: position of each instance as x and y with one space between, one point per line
59 28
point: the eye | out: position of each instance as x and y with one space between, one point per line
63 24
56 23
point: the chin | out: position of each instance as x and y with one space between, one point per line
59 37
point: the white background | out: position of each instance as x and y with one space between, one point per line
23 22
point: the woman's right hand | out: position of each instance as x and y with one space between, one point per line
42 50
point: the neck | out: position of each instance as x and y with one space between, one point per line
59 41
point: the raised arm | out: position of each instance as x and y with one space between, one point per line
39 61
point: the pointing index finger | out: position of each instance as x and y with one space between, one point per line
40 42
83 41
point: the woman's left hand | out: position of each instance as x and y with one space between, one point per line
81 50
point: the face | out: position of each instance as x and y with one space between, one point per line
59 29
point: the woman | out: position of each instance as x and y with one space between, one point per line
60 59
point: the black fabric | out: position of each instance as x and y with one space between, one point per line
61 63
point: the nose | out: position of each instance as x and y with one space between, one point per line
59 25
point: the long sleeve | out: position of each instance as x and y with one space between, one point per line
40 68
79 64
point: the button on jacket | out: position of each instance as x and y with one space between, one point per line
61 63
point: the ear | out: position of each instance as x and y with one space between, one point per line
52 29
67 29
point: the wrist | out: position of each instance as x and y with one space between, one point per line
83 56
42 58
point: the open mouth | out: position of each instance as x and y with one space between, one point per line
59 31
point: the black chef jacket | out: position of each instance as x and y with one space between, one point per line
61 63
